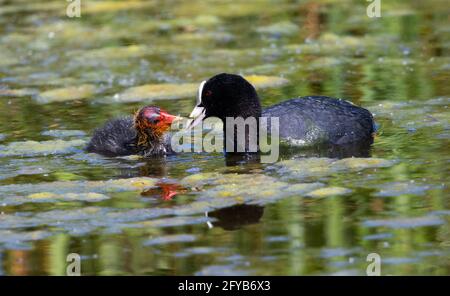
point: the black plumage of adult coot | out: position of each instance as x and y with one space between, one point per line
144 134
303 121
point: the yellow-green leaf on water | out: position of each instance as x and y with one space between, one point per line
67 93
206 20
53 197
157 92
42 195
199 179
330 38
362 163
260 81
143 183
91 196
232 9
66 176
225 194
221 37
329 191
112 6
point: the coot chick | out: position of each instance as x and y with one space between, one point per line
303 121
144 134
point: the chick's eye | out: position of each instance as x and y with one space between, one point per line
153 119
208 93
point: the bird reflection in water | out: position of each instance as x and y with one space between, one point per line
235 217
230 218
166 190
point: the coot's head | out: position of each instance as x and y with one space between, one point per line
151 122
226 95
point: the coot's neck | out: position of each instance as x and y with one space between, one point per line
250 111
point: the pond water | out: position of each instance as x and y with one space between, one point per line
61 77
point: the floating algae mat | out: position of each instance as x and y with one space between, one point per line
156 92
322 167
176 91
71 190
67 94
52 197
234 189
88 6
32 148
329 191
144 92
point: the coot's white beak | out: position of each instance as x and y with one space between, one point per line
197 116
198 113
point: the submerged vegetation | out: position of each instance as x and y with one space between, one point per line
190 213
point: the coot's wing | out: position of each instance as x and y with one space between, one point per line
315 119
116 138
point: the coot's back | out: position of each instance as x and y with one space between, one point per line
322 120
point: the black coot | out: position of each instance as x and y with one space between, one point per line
145 134
303 121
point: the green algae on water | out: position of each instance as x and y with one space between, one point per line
30 148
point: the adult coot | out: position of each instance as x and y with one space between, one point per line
145 134
304 121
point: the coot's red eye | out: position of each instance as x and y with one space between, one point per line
208 93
